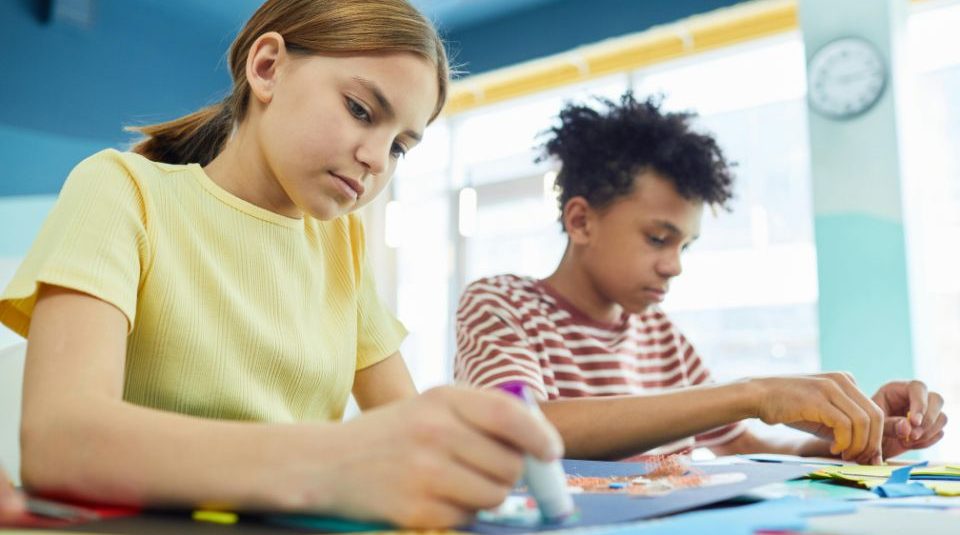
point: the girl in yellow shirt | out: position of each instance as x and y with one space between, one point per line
199 310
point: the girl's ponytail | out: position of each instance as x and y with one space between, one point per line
322 27
194 138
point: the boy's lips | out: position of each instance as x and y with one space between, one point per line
657 294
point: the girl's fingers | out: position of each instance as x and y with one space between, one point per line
496 461
465 488
506 419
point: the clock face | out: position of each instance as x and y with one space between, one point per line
845 78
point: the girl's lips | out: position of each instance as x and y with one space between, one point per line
350 186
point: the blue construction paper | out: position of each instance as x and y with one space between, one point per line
899 485
787 514
789 459
903 490
599 509
902 475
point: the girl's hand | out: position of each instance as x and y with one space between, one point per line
828 405
12 504
434 460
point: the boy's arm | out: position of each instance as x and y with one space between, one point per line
748 442
897 400
613 427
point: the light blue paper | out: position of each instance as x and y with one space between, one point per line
898 485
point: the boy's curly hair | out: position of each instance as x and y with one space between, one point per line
602 151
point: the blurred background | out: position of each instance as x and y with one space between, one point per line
842 250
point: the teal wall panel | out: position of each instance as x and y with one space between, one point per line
864 305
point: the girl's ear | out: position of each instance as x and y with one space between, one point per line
578 220
263 65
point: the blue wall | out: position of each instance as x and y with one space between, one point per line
558 26
68 91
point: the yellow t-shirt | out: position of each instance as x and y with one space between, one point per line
235 312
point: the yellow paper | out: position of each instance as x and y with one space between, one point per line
944 488
869 476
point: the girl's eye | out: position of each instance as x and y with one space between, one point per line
357 110
397 150
656 242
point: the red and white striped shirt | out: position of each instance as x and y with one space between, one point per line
518 328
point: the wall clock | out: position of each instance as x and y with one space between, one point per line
845 78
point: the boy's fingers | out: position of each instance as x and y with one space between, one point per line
926 443
867 418
917 392
838 422
933 430
858 422
930 415
896 426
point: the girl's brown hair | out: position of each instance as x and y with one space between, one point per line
323 27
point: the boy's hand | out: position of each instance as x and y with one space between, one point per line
12 504
914 417
434 460
828 405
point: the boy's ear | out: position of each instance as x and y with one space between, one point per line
578 220
263 62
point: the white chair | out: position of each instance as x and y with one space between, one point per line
11 391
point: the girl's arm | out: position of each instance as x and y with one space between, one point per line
620 426
429 461
384 382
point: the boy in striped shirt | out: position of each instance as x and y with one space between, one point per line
616 377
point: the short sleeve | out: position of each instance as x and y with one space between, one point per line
492 348
698 374
93 241
379 333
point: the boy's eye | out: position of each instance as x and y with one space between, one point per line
357 110
397 150
658 242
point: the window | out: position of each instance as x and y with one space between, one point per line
748 296
728 301
931 183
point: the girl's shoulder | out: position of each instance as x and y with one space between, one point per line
128 163
111 172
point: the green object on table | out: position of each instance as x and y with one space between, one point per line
325 523
807 489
